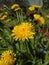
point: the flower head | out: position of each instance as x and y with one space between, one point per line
37 6
31 8
23 31
41 20
47 16
6 13
3 17
9 19
8 57
14 6
36 16
16 9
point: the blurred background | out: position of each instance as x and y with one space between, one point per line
44 3
26 3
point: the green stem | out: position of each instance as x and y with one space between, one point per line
30 48
26 46
14 48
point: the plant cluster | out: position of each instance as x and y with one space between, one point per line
24 36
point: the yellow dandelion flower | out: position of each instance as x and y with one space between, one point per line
36 16
31 8
41 20
16 9
14 6
6 12
3 17
23 31
37 6
8 57
8 20
47 16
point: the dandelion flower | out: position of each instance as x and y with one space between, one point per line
14 6
8 57
16 9
41 20
3 17
6 13
47 16
8 20
31 8
36 16
23 31
37 6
